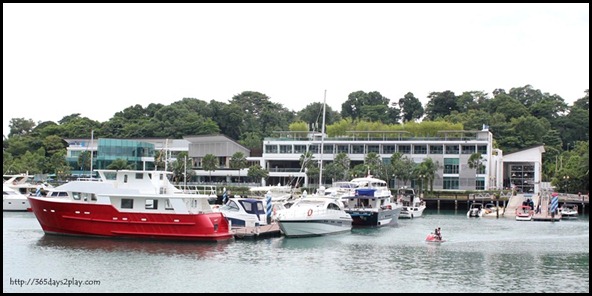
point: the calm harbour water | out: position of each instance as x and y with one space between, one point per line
481 255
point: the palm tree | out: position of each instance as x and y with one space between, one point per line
209 163
429 169
342 163
120 164
238 162
475 162
374 163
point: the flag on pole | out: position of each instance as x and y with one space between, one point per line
224 197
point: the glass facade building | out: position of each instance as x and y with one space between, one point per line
139 155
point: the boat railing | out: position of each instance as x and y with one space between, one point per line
307 213
199 189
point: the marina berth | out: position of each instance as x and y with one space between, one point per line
372 204
129 204
413 205
314 215
476 210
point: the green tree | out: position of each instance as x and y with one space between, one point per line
59 165
209 163
411 107
342 163
256 173
476 163
238 161
180 168
429 167
440 104
312 115
374 164
120 164
20 126
84 161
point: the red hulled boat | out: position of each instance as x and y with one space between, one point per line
129 204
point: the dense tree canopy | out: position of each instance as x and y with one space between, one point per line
518 118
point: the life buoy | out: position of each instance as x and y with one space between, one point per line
309 212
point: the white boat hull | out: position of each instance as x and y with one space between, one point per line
16 204
411 212
312 227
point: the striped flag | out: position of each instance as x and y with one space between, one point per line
554 204
268 204
38 191
224 197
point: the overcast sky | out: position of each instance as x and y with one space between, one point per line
98 59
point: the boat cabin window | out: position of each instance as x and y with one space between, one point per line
333 206
61 193
75 195
232 206
151 204
124 178
139 176
87 196
167 205
127 203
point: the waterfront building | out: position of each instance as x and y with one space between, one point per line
280 156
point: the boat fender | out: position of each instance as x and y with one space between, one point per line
309 212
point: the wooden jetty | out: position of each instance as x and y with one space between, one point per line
256 232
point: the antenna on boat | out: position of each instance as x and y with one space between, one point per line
92 135
322 140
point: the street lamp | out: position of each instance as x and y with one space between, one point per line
566 180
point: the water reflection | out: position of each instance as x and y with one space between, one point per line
53 243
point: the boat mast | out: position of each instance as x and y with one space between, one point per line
322 140
92 136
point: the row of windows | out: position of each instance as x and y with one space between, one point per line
453 183
380 149
151 204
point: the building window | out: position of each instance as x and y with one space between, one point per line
452 149
468 149
328 149
420 149
451 166
436 149
343 149
480 183
388 149
357 149
451 183
405 149
313 148
482 149
127 203
374 148
299 149
271 149
286 149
